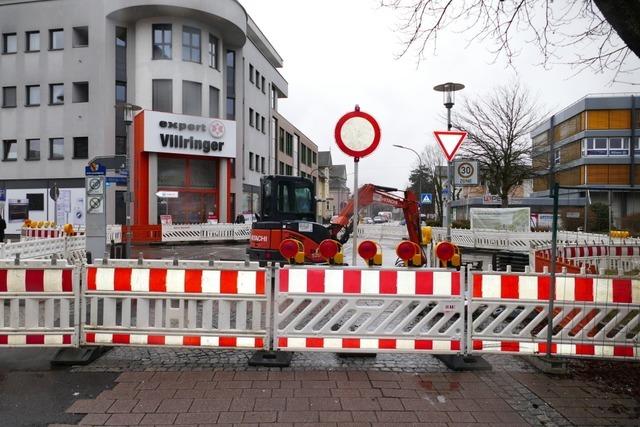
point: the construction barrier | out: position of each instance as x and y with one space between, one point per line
372 310
193 304
38 304
594 258
592 316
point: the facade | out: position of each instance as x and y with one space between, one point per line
593 144
338 190
205 76
294 153
323 192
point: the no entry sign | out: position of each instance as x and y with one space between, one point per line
357 134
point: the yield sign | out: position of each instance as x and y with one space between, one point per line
449 142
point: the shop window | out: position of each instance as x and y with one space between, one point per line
190 44
80 92
161 41
56 148
56 94
33 95
81 147
33 149
191 98
204 173
9 43
56 39
80 36
162 97
171 172
9 150
33 41
9 97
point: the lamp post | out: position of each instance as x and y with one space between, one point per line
419 175
448 99
128 111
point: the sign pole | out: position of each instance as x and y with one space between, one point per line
447 216
356 219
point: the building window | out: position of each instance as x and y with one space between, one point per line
596 146
161 41
281 140
262 125
289 145
262 165
191 98
556 157
231 85
250 161
10 150
251 73
80 36
81 147
56 148
303 154
9 97
80 92
618 146
315 158
281 168
33 149
56 39
257 79
56 94
274 98
263 85
289 170
33 95
251 123
33 41
190 44
162 96
213 51
9 43
636 146
214 102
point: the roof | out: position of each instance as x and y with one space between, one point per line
324 158
338 171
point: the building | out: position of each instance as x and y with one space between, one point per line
203 72
296 154
323 192
593 144
338 190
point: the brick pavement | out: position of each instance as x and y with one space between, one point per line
353 398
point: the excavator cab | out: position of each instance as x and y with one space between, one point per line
287 198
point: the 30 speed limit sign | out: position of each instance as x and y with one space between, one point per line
466 172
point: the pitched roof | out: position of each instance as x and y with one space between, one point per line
324 158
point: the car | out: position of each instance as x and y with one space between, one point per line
379 219
367 220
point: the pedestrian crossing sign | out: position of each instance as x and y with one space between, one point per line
426 198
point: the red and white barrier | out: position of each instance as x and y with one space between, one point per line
139 339
368 344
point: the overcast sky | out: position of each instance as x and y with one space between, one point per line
340 53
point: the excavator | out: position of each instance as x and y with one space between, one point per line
288 212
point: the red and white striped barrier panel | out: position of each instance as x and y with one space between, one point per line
532 348
41 233
373 310
174 340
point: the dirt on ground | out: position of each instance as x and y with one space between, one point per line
611 376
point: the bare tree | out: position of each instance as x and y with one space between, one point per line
608 29
498 126
428 176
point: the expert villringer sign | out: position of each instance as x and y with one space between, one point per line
191 135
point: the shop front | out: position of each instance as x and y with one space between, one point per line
187 157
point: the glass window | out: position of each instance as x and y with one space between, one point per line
231 85
203 173
289 144
33 41
257 79
263 85
171 172
556 157
9 96
214 102
281 168
56 39
162 98
596 146
9 150
190 44
56 94
9 43
33 149
251 123
161 41
303 154
213 51
81 147
80 36
56 149
191 98
274 98
80 92
618 146
262 125
33 95
231 108
251 73
121 92
289 170
636 145
315 157
262 165
250 161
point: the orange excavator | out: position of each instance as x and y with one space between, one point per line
288 212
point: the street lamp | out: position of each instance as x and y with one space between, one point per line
448 99
419 175
128 111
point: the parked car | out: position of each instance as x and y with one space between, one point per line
367 220
379 219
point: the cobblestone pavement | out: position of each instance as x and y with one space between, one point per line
201 387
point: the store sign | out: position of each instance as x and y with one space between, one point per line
191 135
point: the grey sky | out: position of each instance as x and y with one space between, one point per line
340 53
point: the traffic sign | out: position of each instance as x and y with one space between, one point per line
95 169
95 205
167 194
95 185
466 172
426 198
54 192
449 142
357 134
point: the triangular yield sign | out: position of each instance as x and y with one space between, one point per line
449 142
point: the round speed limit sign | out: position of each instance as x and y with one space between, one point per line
466 172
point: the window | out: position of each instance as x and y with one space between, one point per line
172 172
56 148
618 147
315 157
191 98
33 149
80 92
262 125
162 96
204 173
274 98
262 165
251 72
556 157
231 85
56 94
33 41
636 146
56 39
250 161
9 43
251 123
161 41
10 150
289 170
121 91
281 168
80 36
596 146
9 96
262 83
289 145
303 154
214 102
281 140
81 147
257 79
33 95
213 51
190 44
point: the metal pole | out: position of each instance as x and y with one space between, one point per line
127 204
447 210
552 267
354 255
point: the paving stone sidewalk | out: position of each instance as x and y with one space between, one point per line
353 398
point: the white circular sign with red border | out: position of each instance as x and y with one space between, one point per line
357 134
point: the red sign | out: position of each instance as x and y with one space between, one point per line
357 134
449 142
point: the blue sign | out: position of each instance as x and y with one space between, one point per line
3 195
95 169
426 198
117 180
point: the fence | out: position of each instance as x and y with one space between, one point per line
595 258
70 248
319 308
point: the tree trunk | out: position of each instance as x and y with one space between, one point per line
624 17
505 201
